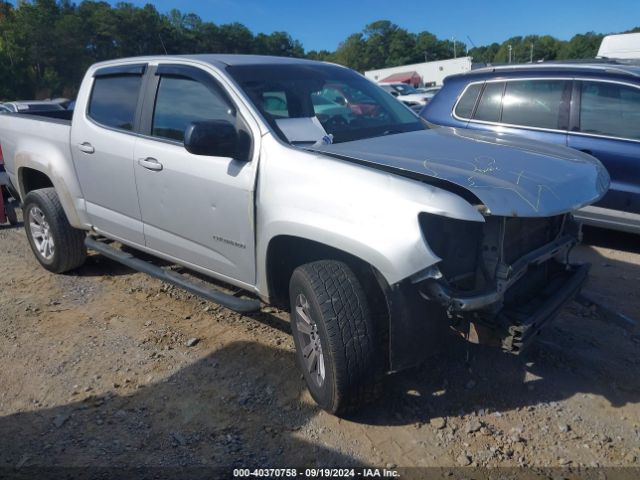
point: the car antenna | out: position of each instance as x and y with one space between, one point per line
162 43
471 41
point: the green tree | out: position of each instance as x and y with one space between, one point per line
46 45
485 54
279 44
322 55
352 52
581 46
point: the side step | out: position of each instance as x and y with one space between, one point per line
241 305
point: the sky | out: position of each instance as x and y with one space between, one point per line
324 24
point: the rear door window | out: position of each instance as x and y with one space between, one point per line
490 105
537 103
464 108
610 109
114 100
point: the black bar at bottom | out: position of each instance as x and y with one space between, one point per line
242 305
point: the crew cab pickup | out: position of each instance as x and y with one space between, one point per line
378 234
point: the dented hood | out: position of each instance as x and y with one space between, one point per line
511 176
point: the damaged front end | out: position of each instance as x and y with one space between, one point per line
502 280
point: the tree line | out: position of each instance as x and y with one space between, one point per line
385 44
46 45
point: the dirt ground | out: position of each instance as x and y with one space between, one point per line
106 366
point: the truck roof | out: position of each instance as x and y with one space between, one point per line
216 59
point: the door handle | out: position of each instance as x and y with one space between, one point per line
86 147
150 164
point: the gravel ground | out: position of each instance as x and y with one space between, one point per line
106 366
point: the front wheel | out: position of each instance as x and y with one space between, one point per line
337 343
56 244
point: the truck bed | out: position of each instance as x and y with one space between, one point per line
63 116
31 136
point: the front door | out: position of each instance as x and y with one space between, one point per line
196 209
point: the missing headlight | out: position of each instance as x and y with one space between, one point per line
457 243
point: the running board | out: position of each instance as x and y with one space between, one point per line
242 305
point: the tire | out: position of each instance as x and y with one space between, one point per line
57 245
10 212
333 327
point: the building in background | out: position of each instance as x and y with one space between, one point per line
422 74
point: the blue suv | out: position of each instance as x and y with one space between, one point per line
591 107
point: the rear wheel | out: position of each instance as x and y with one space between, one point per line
337 342
10 211
56 244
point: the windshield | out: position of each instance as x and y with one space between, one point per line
347 105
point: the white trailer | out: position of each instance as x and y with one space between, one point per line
432 73
626 45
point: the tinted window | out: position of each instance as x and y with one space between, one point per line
536 103
181 101
610 109
490 103
114 99
464 108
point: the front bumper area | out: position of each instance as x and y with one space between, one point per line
459 302
497 283
496 317
518 325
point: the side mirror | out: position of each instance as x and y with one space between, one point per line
394 93
216 138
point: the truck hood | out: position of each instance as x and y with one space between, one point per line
511 176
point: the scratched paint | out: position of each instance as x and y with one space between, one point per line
509 175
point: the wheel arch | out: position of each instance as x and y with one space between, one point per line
33 177
287 252
412 326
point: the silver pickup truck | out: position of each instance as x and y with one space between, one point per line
304 185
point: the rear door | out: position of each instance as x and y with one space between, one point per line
606 124
535 108
196 209
102 144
